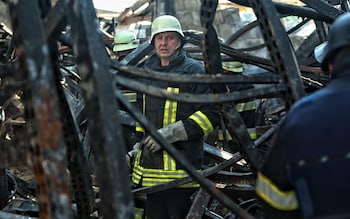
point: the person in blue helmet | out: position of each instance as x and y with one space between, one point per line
307 172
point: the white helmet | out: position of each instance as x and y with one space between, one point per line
125 40
166 23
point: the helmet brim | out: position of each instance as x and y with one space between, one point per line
126 46
180 34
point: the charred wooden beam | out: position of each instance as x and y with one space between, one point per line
54 20
325 8
237 55
260 78
199 204
295 10
102 112
280 49
42 110
274 90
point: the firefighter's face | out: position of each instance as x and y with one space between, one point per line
166 44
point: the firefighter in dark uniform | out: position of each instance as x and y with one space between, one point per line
246 109
124 43
307 172
183 124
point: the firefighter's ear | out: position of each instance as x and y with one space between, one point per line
178 46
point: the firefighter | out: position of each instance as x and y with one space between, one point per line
182 124
307 172
247 108
124 43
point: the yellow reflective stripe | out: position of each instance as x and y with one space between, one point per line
153 177
162 174
138 157
270 193
137 169
154 182
253 136
131 96
169 162
170 108
246 106
138 213
139 128
190 185
202 120
221 135
136 178
251 131
158 173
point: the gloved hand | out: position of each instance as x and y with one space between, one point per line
172 133
130 156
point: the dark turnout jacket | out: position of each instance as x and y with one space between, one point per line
307 172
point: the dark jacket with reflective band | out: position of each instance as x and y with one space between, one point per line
310 159
126 120
127 93
246 109
154 168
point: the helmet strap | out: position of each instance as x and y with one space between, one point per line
178 46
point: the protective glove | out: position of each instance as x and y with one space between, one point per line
130 156
172 133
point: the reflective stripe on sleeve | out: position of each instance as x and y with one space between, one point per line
131 96
202 120
270 193
251 131
246 106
